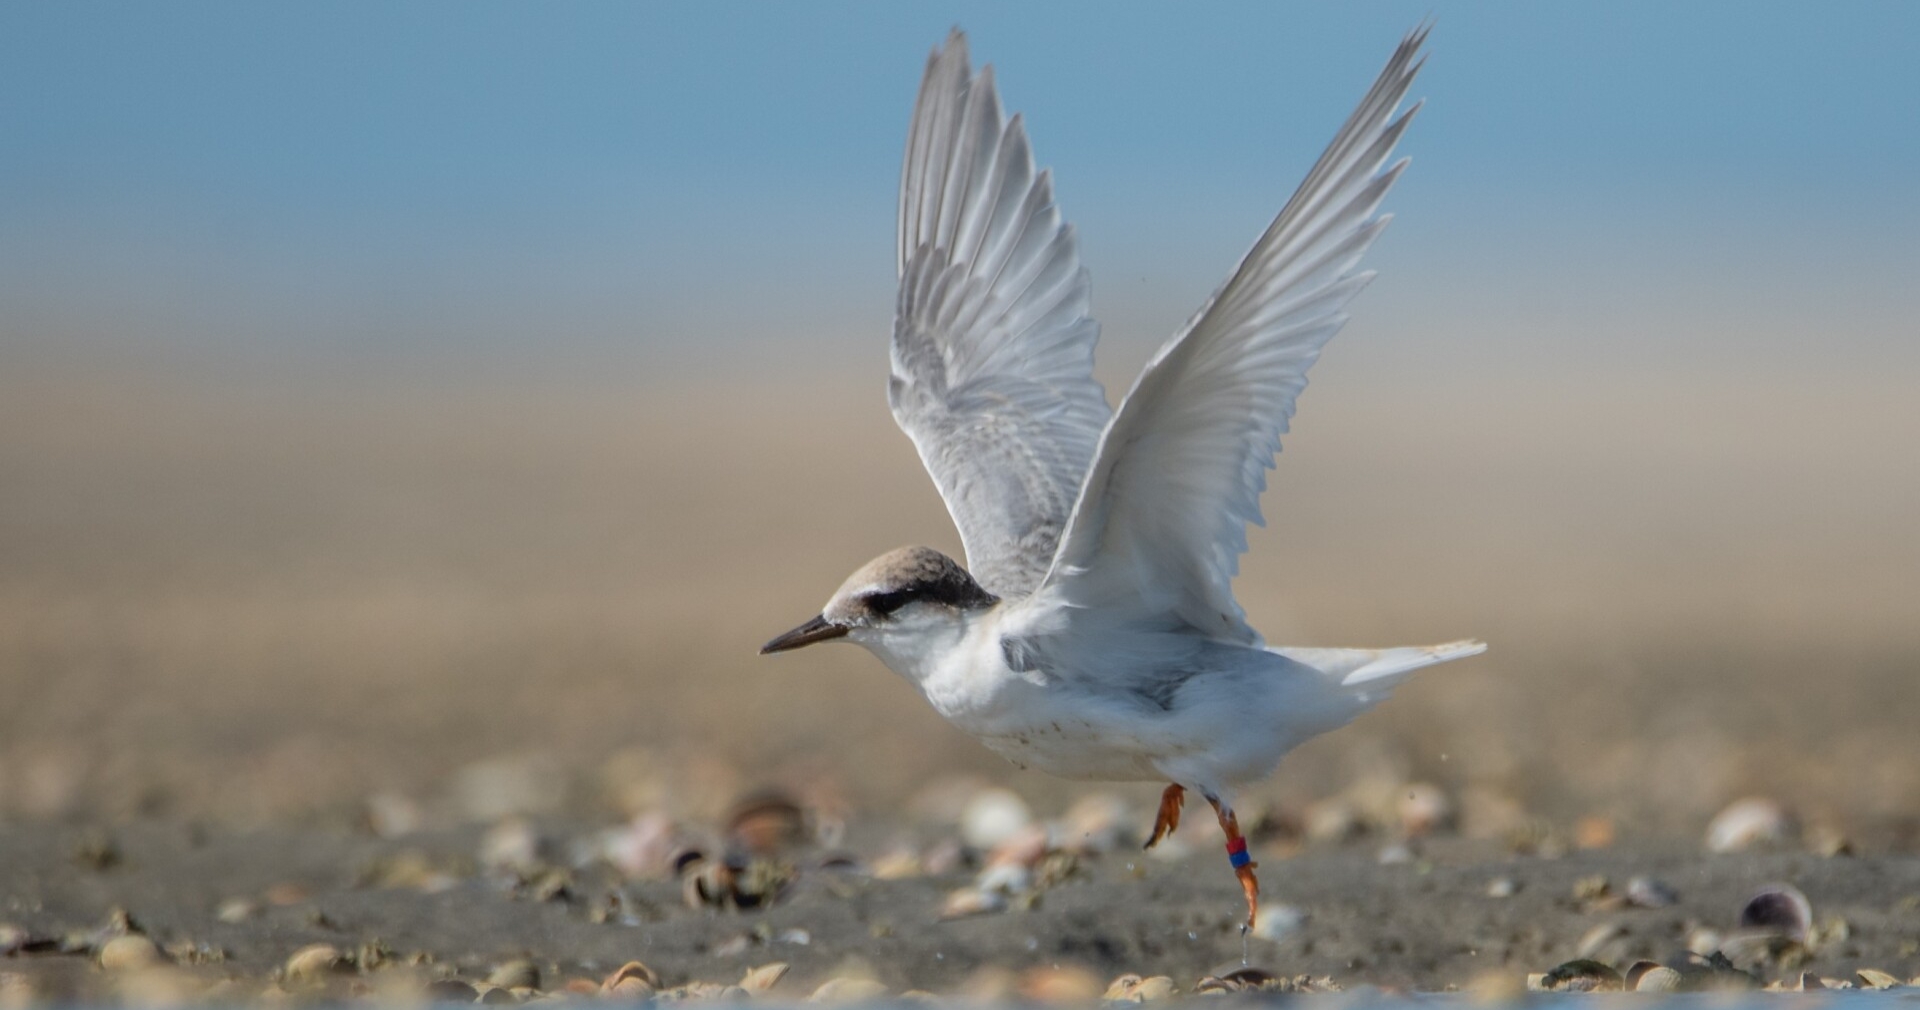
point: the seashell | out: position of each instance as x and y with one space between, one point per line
313 961
629 989
1646 892
1658 978
1809 982
237 910
1778 910
1715 972
512 845
992 816
764 977
1875 979
1424 807
1067 984
1635 970
972 901
1502 887
1746 823
1132 988
1277 922
766 823
798 937
130 953
1250 978
708 885
847 990
517 974
1583 975
493 995
632 970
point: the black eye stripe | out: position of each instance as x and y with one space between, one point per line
887 603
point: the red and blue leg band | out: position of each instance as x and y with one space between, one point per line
1237 852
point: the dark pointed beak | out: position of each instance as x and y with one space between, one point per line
817 630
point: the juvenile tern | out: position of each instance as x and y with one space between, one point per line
1093 633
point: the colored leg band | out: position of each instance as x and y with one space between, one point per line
1237 852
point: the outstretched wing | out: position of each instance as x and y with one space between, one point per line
1161 522
993 336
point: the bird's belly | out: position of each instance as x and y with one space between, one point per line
1072 749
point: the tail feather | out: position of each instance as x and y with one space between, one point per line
1356 667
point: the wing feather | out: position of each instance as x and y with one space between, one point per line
1161 521
992 356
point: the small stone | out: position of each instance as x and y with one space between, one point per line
1502 887
1647 892
763 978
969 901
130 953
237 910
452 990
313 961
847 990
517 974
992 816
493 995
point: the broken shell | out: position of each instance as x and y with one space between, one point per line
129 953
632 970
972 901
1647 892
1876 979
766 823
519 974
313 961
764 977
1658 978
1134 989
1583 975
1778 910
847 990
1746 823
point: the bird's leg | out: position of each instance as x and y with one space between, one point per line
1168 818
1243 864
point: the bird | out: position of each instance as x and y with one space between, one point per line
1093 633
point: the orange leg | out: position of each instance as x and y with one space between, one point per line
1243 864
1168 819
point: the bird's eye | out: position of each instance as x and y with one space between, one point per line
886 603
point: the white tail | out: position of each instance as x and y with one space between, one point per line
1355 667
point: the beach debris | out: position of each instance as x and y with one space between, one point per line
641 849
237 910
1580 975
452 990
519 973
1873 978
993 816
1424 808
766 823
1605 942
314 961
970 901
512 845
1131 988
1594 893
1648 892
1250 979
1778 910
1594 831
847 990
1502 887
392 815
763 978
1658 978
96 851
130 952
1059 984
632 981
1746 823
1277 922
725 884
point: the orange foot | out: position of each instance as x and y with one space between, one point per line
1168 819
1243 864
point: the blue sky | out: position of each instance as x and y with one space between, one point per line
367 184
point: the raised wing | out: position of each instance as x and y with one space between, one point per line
1161 523
992 337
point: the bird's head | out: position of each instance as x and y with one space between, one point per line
904 594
